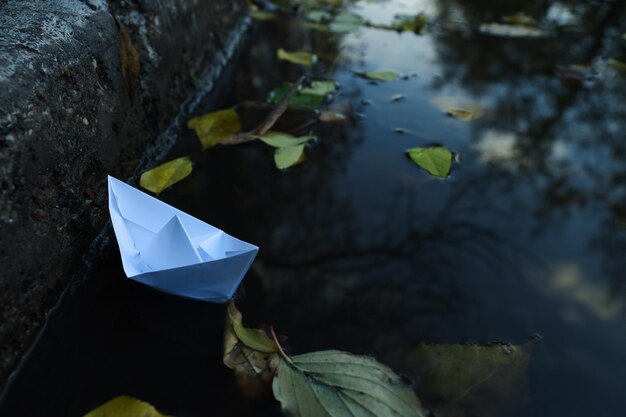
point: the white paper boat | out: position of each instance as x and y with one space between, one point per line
174 252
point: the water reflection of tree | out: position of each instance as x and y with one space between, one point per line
336 279
363 285
382 291
519 78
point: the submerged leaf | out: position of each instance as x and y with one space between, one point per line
511 31
124 406
300 58
283 140
212 128
166 175
379 75
412 23
288 157
436 160
336 384
250 353
476 380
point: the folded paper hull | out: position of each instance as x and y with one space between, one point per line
213 281
174 252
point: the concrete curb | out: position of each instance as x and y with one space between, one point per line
68 118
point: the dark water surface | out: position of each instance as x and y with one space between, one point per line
363 251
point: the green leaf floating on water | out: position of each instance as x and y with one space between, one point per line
322 27
335 384
346 22
319 88
412 23
308 97
283 140
379 75
436 160
300 58
124 406
318 16
212 128
309 101
166 175
288 157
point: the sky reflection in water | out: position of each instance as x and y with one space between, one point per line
363 251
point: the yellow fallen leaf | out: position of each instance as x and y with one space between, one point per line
617 65
520 19
212 128
301 58
166 175
458 107
125 407
262 16
465 114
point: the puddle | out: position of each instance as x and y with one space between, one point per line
363 251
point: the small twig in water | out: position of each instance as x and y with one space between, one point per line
269 121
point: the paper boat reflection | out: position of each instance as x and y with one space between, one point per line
174 252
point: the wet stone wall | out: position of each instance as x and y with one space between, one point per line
77 103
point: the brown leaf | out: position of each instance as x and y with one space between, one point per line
129 60
254 370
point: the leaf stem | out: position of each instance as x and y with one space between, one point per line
280 348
